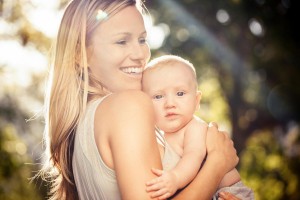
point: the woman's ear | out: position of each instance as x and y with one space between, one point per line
79 58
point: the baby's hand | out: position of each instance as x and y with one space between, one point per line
164 186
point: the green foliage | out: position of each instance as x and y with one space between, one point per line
213 105
14 168
267 170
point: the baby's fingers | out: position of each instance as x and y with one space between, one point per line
153 181
154 187
165 196
157 172
159 194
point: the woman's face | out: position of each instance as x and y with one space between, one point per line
119 50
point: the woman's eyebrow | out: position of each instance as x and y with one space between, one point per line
129 33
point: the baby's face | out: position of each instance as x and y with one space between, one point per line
173 90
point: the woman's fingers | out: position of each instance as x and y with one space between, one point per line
220 147
227 196
157 172
213 124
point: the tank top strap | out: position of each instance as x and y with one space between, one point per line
159 137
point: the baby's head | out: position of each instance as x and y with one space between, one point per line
171 83
169 66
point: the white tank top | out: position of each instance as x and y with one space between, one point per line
94 179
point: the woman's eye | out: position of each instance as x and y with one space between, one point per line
180 94
159 96
142 40
121 42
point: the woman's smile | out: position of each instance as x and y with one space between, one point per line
132 70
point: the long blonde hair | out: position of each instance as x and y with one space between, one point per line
69 88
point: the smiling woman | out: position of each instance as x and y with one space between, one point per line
93 58
98 124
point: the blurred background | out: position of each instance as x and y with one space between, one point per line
246 54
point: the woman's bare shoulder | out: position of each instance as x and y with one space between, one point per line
119 121
123 106
122 101
127 96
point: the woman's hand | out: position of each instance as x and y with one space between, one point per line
221 158
227 196
220 148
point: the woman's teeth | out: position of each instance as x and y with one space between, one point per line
131 70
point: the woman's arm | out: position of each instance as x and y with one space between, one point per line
230 178
221 158
129 129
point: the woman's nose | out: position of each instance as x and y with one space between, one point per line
140 52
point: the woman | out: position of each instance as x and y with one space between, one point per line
99 125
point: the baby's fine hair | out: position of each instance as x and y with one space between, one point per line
167 60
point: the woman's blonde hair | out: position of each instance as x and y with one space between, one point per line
69 88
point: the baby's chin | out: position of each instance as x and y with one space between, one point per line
170 130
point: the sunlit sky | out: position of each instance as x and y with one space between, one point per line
45 16
19 61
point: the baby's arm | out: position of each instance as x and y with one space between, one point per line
194 151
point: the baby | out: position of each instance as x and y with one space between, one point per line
171 83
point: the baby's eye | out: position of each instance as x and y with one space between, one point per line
180 94
159 96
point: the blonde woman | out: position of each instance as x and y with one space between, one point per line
99 130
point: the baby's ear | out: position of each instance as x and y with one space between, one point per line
199 95
198 99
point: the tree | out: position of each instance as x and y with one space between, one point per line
248 69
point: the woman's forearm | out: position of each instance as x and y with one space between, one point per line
221 158
205 183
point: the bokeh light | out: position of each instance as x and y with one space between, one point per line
256 27
223 16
